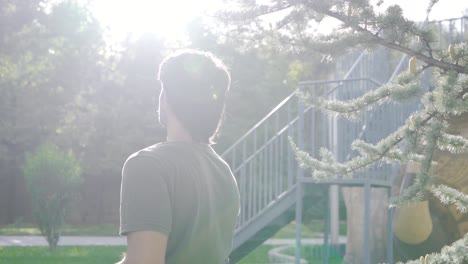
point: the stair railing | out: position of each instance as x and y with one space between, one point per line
262 159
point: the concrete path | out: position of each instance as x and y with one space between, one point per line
64 241
120 241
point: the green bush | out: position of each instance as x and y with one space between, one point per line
53 179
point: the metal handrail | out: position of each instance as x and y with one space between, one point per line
246 134
282 103
448 19
295 119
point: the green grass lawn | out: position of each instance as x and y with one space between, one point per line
310 230
68 230
88 255
258 256
112 254
65 254
313 254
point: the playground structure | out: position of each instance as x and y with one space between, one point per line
271 183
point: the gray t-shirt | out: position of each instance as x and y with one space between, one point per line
186 191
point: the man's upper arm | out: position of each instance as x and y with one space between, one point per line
145 201
146 247
146 214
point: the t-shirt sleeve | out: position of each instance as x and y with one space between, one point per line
145 202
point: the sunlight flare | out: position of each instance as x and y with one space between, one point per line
165 18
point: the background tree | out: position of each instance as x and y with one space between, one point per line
122 119
424 133
61 82
53 180
49 55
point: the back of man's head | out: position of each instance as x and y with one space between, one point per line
195 84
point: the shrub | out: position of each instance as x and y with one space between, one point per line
53 179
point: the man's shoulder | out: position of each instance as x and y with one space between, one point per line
155 154
156 151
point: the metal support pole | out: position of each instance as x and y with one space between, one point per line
278 174
300 174
334 212
251 186
389 229
313 133
272 165
298 221
462 29
336 145
233 158
367 193
326 231
255 141
290 158
263 179
440 35
243 184
255 176
300 132
281 171
265 166
450 32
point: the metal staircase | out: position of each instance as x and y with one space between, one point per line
270 181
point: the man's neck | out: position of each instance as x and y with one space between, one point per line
177 133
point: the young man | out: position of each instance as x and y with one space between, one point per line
179 200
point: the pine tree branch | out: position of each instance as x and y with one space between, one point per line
359 163
448 195
254 13
404 84
362 163
453 143
373 37
398 139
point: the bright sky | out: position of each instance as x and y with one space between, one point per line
416 9
169 18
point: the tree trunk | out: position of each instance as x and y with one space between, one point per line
354 200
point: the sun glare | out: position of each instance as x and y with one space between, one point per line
167 18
